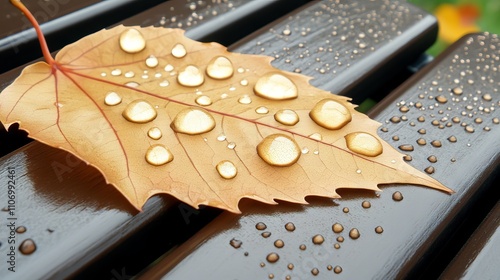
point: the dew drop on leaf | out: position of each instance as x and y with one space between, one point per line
129 74
363 143
116 72
221 137
262 110
132 84
226 169
112 98
245 99
154 133
158 155
279 150
191 77
203 100
164 83
220 68
286 117
330 114
151 61
193 121
139 111
275 86
169 67
316 136
132 41
179 51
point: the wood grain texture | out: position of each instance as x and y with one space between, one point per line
479 258
414 228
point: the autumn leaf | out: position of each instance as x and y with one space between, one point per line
156 112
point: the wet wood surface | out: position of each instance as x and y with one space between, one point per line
453 97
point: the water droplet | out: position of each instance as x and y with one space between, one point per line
132 41
179 51
270 276
337 269
430 170
129 74
496 120
407 148
154 133
302 247
436 143
432 159
421 141
203 100
191 76
469 129
452 139
27 247
329 267
279 150
441 99
287 32
275 86
272 257
266 234
21 229
226 169
336 246
279 243
221 137
245 99
337 228
407 158
158 155
139 111
262 264
457 91
261 110
379 230
395 119
318 239
116 72
397 196
366 204
151 61
260 226
220 68
286 117
169 67
340 239
487 97
354 233
422 131
112 98
364 144
290 226
316 136
235 243
404 109
290 266
132 84
345 210
315 271
330 114
231 145
193 121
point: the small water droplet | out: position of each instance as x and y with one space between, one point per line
436 143
469 129
221 137
116 72
395 119
220 68
407 148
407 158
315 271
441 99
358 171
432 159
330 114
397 196
290 266
318 239
129 74
132 84
193 121
336 246
179 51
158 155
316 136
275 86
279 243
430 170
235 243
164 83
329 267
203 100
337 228
260 226
27 247
169 67
272 257
191 77
345 210
287 32
379 229
302 247
286 117
151 61
279 150
139 111
340 239
132 41
457 91
364 144
21 229
421 141
354 233
366 204
262 110
231 145
289 226
245 99
337 269
404 109
154 133
266 234
226 169
487 97
112 98
452 139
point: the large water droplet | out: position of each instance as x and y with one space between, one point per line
318 239
272 257
158 155
364 144
220 68
226 169
154 133
275 86
286 117
139 111
289 226
203 100
279 150
337 228
354 233
330 114
179 51
112 98
193 121
279 243
27 247
151 61
191 77
132 41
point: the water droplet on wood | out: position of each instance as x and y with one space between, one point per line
430 170
315 271
452 139
235 243
193 121
132 41
421 141
337 269
379 230
337 228
366 204
407 148
266 234
286 117
330 114
289 226
272 257
112 98
441 99
220 68
179 51
345 210
354 233
457 91
436 143
432 159
279 243
260 226
27 247
154 133
158 155
139 111
318 239
21 229
397 196
279 150
275 86
364 144
302 247
116 72
191 77
226 169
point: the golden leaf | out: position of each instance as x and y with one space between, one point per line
156 112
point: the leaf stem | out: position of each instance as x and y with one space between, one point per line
41 38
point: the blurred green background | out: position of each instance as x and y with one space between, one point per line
459 17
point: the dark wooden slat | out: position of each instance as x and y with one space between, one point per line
60 200
479 258
414 229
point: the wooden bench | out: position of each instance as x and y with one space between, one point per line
84 229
